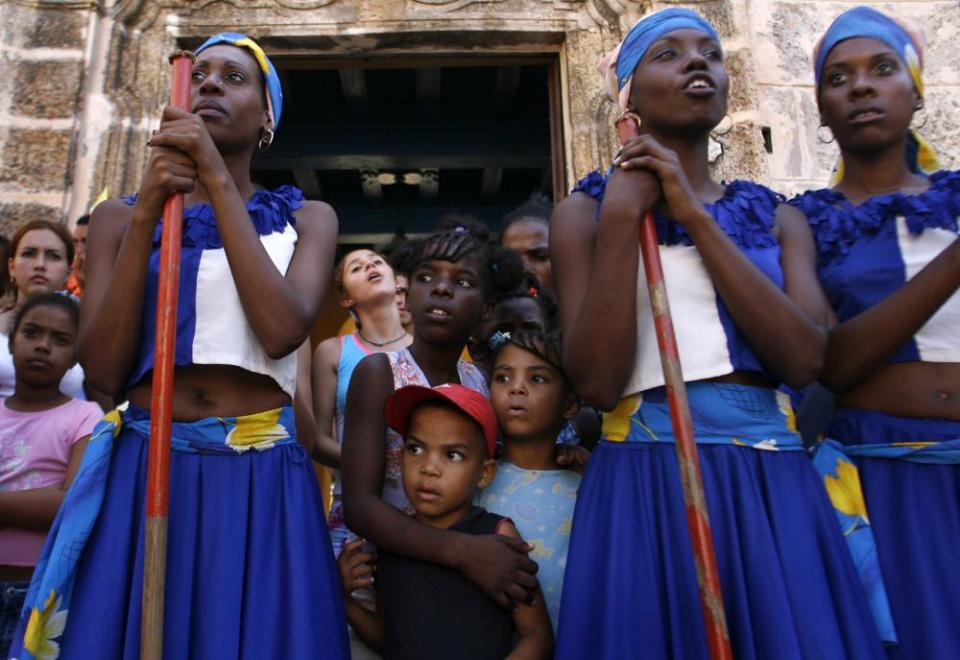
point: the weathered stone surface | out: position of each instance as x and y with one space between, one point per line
30 27
798 156
939 122
12 215
36 159
742 152
47 89
768 45
743 91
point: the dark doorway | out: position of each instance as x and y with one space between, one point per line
394 145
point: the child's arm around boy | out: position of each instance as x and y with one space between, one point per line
357 567
534 633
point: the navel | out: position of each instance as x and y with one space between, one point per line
200 397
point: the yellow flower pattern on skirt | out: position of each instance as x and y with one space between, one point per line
258 431
45 626
846 494
44 620
616 423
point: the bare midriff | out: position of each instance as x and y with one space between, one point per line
214 390
909 389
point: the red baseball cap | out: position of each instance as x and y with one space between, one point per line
473 404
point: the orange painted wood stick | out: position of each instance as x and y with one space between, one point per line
161 401
695 502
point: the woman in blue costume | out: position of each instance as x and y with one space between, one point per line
748 313
250 573
889 261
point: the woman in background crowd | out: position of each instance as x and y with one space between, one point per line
39 262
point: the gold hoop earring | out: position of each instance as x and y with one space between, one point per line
820 137
919 109
266 139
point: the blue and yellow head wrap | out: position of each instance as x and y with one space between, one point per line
274 93
618 66
907 41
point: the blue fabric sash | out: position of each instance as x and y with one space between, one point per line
48 601
723 414
841 478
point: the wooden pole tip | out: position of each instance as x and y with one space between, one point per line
183 53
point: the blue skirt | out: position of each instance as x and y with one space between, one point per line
914 511
250 572
789 585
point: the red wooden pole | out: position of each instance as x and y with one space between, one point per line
698 521
161 402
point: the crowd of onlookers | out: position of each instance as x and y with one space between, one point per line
454 416
513 347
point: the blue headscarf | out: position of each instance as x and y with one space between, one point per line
865 22
274 93
907 41
619 65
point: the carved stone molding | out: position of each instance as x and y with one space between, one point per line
55 4
454 5
145 31
617 15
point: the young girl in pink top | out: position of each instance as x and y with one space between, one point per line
43 434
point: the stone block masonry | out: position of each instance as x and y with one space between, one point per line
42 71
82 82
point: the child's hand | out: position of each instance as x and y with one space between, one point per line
357 566
572 457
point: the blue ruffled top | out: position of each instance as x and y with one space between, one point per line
211 325
270 211
746 213
867 251
838 225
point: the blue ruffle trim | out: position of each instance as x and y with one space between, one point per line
837 224
745 213
270 210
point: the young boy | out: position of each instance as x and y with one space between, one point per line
426 610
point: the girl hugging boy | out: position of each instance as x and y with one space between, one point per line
425 610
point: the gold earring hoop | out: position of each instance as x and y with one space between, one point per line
919 109
820 137
266 139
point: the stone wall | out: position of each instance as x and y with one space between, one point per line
82 82
42 74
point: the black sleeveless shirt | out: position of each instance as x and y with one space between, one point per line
431 611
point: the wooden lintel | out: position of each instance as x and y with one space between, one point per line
429 184
308 182
508 82
490 184
517 145
354 86
429 88
372 189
